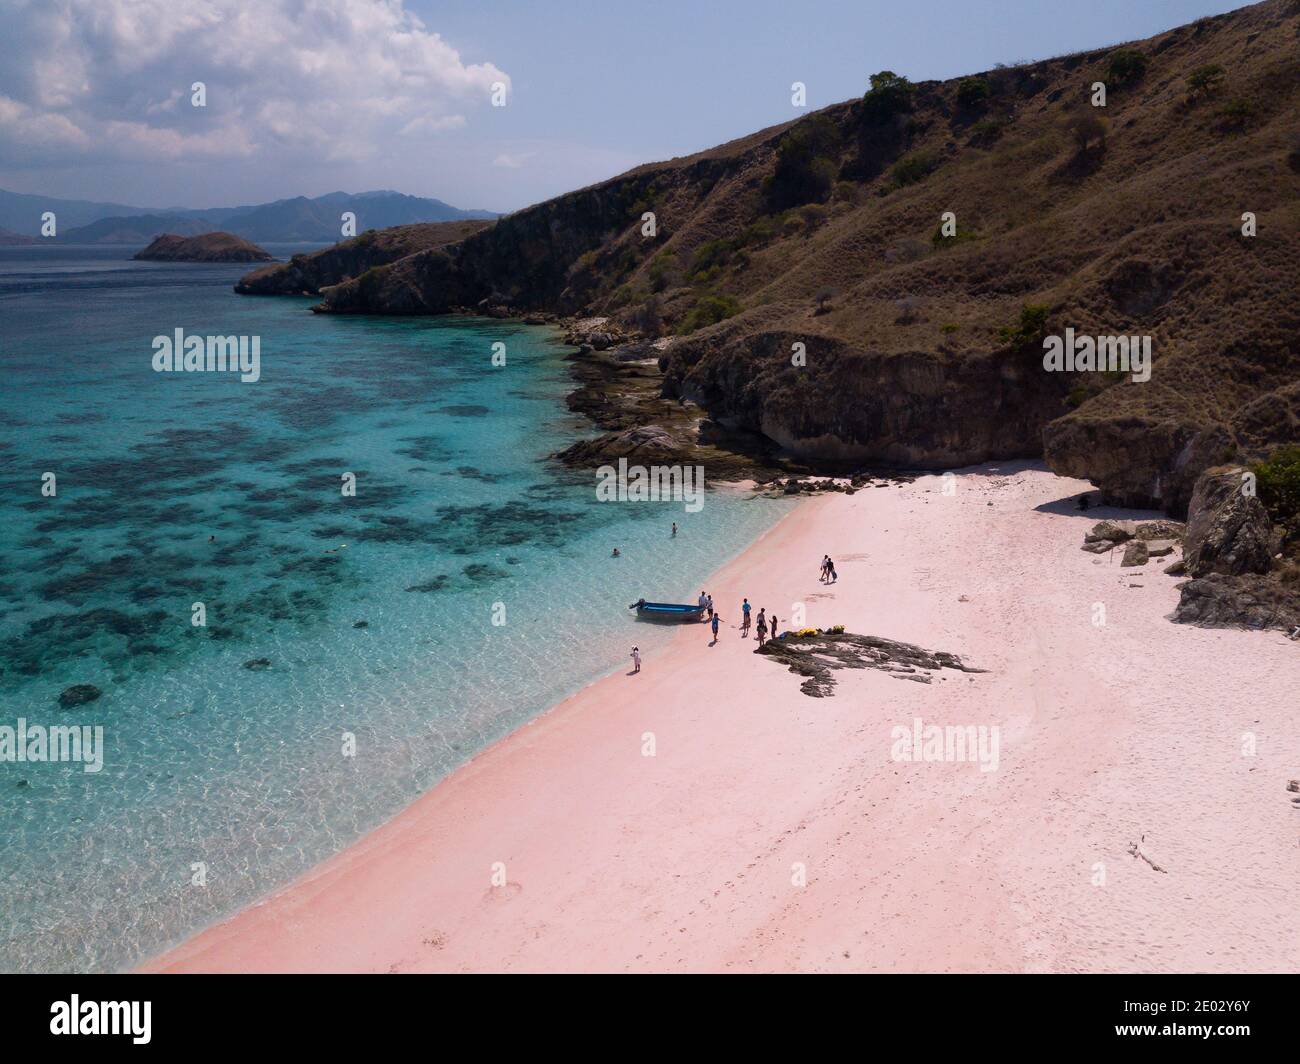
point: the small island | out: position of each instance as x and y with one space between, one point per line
208 247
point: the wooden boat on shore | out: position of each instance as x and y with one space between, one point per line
669 612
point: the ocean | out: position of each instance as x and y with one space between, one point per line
354 647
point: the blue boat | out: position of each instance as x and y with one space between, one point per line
670 612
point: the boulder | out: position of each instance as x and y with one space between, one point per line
645 443
1136 553
1244 601
1111 531
1228 531
78 695
1097 546
1161 548
1160 530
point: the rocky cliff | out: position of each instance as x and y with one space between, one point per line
921 242
308 273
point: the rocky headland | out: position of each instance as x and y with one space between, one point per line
871 285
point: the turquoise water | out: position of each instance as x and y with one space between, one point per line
175 489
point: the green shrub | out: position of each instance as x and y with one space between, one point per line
948 328
711 309
1235 116
813 214
1087 128
1126 66
1205 81
914 168
710 259
1030 330
962 235
987 131
805 164
890 95
1277 481
973 93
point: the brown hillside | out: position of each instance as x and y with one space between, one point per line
1127 225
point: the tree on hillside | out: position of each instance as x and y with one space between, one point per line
1126 66
806 165
890 95
1205 81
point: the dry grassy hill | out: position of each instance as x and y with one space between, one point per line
924 350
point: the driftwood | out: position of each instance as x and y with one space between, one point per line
1135 850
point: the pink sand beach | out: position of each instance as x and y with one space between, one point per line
705 815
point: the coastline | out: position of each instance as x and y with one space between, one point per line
686 860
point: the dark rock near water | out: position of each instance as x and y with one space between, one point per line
1227 531
645 443
360 624
78 695
257 664
816 657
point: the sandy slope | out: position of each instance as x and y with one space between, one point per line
683 861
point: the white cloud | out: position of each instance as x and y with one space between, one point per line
508 161
88 80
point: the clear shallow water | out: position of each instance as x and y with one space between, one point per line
456 510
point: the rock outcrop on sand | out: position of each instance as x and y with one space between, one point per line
1240 580
309 273
209 247
1228 530
817 656
1245 601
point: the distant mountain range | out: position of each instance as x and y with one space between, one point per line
296 220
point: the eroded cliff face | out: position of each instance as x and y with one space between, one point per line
909 409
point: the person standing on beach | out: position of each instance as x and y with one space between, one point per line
762 627
636 659
708 605
830 571
772 625
703 604
744 619
826 564
716 621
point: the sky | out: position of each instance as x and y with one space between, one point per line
305 97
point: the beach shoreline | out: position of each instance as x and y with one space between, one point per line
705 815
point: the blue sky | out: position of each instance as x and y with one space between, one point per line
94 99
